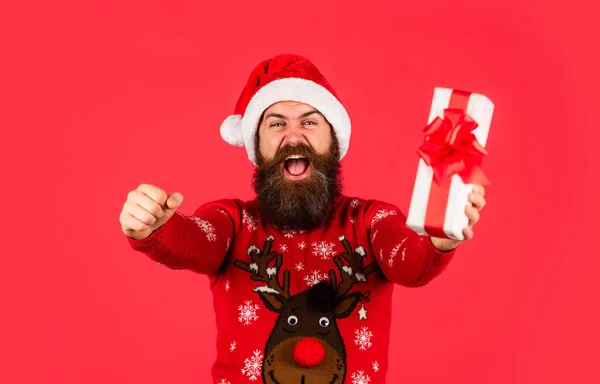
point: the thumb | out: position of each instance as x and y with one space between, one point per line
174 200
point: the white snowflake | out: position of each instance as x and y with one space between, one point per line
224 381
381 253
289 233
353 220
374 235
354 203
359 377
314 278
403 253
248 312
376 366
283 248
222 211
249 220
323 249
253 365
206 227
362 338
394 252
233 346
382 213
227 286
299 267
302 245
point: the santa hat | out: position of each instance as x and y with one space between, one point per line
285 77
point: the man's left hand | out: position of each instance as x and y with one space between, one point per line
477 198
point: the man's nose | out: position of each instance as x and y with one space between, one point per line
295 135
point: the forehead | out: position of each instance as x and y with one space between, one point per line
289 108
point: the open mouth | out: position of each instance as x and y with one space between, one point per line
296 167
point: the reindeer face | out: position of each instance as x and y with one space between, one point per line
305 345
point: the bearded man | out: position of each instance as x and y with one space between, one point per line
302 276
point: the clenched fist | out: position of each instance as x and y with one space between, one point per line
146 209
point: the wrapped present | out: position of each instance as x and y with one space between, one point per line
450 162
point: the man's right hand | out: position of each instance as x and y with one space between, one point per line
146 209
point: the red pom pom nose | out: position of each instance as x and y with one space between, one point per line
308 352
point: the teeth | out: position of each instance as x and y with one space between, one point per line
296 157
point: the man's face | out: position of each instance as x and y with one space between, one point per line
290 123
298 175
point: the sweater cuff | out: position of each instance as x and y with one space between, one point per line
156 238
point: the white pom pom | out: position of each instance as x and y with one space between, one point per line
231 130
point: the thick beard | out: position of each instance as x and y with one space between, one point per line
298 204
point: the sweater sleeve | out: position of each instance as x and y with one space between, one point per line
404 256
197 242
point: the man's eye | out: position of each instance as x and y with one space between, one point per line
280 124
310 122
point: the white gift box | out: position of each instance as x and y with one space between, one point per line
481 109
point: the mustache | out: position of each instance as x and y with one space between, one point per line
300 149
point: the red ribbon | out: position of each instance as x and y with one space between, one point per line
450 147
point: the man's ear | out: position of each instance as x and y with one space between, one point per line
346 305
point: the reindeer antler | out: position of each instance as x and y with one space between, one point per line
353 273
260 270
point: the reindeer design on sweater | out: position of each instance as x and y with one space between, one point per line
306 346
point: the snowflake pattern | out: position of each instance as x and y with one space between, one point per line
394 252
252 365
302 245
362 338
227 286
403 253
290 233
224 381
299 267
352 220
374 235
376 366
354 203
249 220
248 312
381 253
222 211
283 248
359 377
323 249
382 213
314 278
206 227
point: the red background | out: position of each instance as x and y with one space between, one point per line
98 97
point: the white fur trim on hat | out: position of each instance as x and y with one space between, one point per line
289 89
231 130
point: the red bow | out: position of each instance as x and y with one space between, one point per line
450 147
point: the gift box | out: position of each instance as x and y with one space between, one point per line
450 162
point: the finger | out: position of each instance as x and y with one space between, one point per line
130 223
140 213
473 215
149 205
153 192
468 233
477 200
175 199
479 189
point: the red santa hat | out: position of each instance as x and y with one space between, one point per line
285 77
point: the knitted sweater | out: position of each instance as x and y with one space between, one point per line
299 306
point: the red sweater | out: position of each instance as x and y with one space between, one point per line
275 322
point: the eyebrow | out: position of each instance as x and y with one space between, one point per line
280 116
